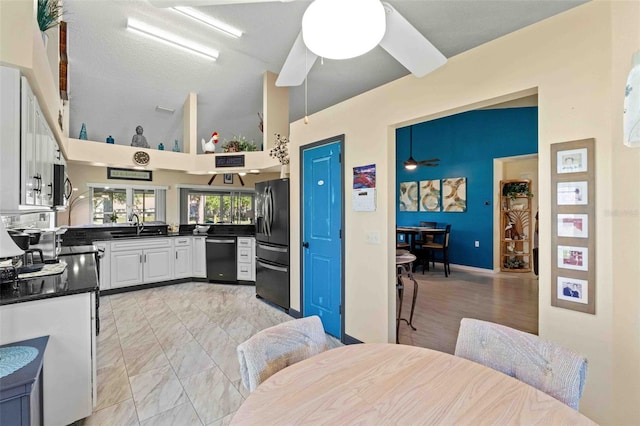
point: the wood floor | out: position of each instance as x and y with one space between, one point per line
505 298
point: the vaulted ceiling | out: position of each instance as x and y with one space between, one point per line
117 78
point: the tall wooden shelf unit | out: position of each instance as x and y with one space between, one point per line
517 232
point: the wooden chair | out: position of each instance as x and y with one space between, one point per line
545 365
277 347
439 245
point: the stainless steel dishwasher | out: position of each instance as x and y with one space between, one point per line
221 259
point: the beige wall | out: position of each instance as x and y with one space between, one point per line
80 175
577 63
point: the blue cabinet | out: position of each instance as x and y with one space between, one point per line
21 391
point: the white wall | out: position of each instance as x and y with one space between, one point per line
577 63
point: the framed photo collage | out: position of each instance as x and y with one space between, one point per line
573 237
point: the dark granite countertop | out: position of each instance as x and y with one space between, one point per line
80 276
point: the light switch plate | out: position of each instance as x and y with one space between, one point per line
373 237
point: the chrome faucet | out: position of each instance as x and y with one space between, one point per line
137 223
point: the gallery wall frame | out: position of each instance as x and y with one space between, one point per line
573 219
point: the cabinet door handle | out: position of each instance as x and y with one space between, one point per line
145 258
140 258
176 255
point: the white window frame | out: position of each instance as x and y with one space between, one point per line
160 209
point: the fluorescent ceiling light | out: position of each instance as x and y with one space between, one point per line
165 109
242 173
171 39
338 29
208 20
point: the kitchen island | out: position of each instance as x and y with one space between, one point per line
62 306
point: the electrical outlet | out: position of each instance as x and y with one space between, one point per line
477 244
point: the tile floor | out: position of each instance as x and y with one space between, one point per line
167 355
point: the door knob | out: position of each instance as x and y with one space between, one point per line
305 244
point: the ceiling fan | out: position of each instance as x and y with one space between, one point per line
412 164
367 22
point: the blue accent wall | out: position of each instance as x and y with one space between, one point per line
466 145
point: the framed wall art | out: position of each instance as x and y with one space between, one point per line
573 217
454 194
430 195
408 197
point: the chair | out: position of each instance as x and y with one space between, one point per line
277 347
556 371
440 245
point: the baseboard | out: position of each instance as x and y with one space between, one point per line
348 340
295 314
144 286
472 269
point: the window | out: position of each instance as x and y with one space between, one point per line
115 205
216 207
109 205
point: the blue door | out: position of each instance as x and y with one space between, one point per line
322 234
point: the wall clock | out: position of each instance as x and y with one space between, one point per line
141 158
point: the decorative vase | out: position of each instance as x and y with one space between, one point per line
111 140
83 132
176 147
161 147
284 169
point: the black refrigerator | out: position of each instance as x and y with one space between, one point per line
272 241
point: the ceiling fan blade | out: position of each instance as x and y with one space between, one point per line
431 160
173 3
405 43
297 65
420 163
212 179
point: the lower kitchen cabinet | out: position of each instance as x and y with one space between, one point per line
182 264
199 257
104 272
141 261
246 262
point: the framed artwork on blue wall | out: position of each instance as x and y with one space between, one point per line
430 195
408 196
454 194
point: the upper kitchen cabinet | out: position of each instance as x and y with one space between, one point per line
28 147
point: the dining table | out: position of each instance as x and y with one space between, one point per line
412 232
379 383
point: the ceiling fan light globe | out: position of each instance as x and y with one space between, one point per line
339 29
410 164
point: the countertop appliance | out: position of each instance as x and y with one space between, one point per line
272 241
221 251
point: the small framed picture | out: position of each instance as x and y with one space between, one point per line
228 178
573 225
572 161
573 290
572 193
570 257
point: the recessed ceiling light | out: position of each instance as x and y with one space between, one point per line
212 173
254 171
242 173
138 168
208 20
171 39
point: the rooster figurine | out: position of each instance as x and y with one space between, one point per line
211 145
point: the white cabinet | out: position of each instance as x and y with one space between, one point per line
104 270
9 139
69 366
246 259
28 145
141 261
183 263
199 258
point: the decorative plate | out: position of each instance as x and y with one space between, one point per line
141 158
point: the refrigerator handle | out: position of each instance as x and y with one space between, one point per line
272 267
271 209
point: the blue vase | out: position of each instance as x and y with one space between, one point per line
110 140
161 147
83 132
176 147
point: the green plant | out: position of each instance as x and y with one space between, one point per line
514 263
49 12
239 144
513 189
113 218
